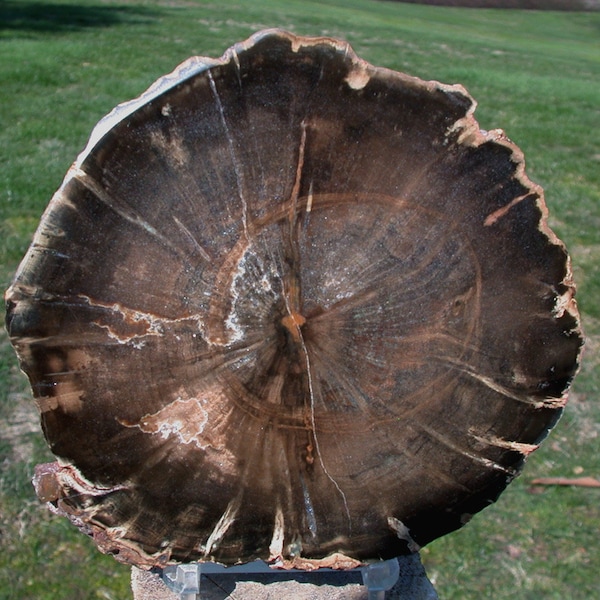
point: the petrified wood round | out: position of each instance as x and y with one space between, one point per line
290 306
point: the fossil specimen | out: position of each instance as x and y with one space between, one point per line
288 305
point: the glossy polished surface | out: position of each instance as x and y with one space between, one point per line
290 306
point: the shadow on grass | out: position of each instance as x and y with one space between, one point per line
45 17
568 5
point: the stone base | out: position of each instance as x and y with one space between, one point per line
412 584
310 586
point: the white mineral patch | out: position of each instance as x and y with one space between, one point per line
358 78
276 545
403 533
185 419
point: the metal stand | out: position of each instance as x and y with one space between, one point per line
403 578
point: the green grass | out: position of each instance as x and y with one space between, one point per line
65 64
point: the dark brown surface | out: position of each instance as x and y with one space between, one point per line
287 305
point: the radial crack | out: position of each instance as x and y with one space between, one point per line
122 209
314 430
236 164
493 440
188 234
489 382
132 318
443 439
293 209
224 523
276 545
497 214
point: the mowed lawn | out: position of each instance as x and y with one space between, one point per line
64 64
